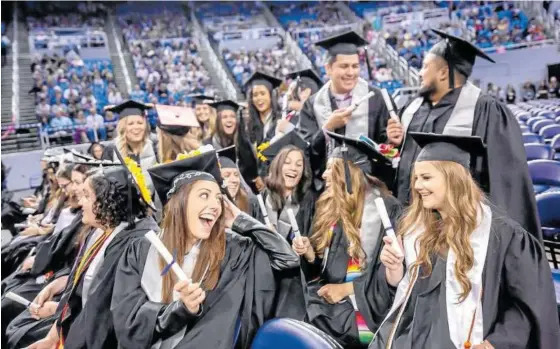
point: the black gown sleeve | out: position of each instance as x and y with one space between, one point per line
378 116
247 158
108 152
138 321
530 319
310 132
281 255
510 184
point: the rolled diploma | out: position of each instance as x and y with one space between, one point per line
293 221
387 225
162 250
263 209
19 299
361 100
388 104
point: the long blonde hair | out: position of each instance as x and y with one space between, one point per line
335 204
212 250
451 232
120 140
169 145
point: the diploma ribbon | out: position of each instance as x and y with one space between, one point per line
168 266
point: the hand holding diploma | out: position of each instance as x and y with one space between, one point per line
394 266
191 295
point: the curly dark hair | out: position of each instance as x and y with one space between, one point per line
111 204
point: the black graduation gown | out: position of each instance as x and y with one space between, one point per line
310 131
503 173
245 290
339 320
15 253
92 326
256 131
518 303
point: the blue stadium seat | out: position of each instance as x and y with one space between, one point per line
549 214
549 131
537 151
533 120
288 333
524 129
547 114
531 138
555 146
537 126
545 175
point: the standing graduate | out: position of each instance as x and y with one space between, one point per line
173 132
244 200
225 131
343 243
287 182
114 202
470 277
231 287
449 104
206 116
329 109
264 111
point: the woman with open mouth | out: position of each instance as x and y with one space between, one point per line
342 246
467 275
264 111
225 131
232 287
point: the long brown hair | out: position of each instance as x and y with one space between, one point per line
218 131
452 231
242 199
175 237
275 180
169 146
335 204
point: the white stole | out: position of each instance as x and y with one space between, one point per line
459 315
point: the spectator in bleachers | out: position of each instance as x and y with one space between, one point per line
542 92
43 109
114 97
529 91
137 94
95 125
96 150
80 128
510 94
88 101
553 88
61 124
111 120
6 43
59 106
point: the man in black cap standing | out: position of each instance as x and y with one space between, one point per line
449 104
334 107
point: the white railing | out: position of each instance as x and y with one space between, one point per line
522 45
124 69
399 65
15 70
202 42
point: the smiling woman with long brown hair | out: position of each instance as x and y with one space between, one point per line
344 241
232 276
469 277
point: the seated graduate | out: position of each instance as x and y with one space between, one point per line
114 202
38 227
225 132
344 242
287 183
205 115
471 277
52 262
173 132
232 288
235 186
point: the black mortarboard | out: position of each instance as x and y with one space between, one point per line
202 99
458 53
199 164
176 120
346 43
129 108
97 163
290 138
362 153
307 79
225 105
50 152
227 157
438 147
259 78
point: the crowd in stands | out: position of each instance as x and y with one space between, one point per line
229 16
70 95
164 25
47 14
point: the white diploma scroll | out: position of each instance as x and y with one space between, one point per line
263 209
389 104
354 106
164 252
19 299
293 221
387 225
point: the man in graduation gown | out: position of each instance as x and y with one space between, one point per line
328 108
449 104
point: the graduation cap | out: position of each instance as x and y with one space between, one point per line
307 79
269 152
175 120
362 153
458 53
259 78
225 105
50 153
438 147
346 43
202 99
200 164
97 163
227 157
129 107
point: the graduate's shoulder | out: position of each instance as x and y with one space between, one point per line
134 232
491 103
507 228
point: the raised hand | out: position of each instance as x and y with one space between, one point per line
394 267
191 295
